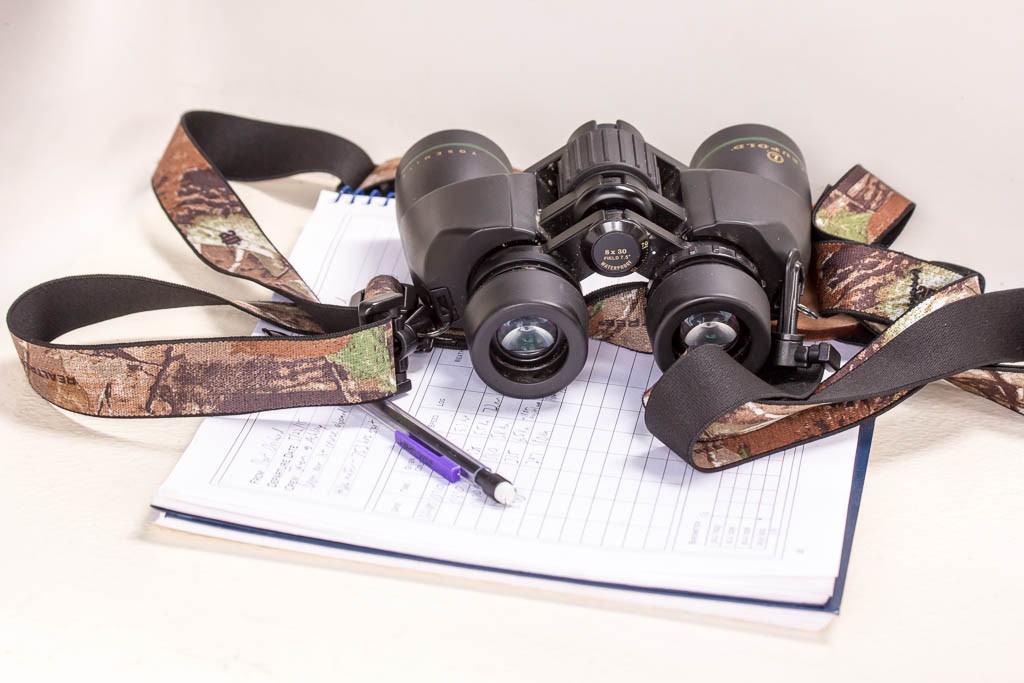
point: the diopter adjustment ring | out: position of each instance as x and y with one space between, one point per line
705 251
606 148
514 257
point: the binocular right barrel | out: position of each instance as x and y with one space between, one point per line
713 293
759 150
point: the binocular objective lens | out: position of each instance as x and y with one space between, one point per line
527 337
710 328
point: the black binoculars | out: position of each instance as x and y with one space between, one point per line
500 254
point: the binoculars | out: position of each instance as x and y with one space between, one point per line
500 254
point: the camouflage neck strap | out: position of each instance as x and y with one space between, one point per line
338 358
921 319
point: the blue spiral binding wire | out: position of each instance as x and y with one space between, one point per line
347 191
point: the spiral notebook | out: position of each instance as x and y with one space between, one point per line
604 510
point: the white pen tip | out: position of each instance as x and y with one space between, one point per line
505 493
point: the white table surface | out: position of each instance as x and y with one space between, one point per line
926 94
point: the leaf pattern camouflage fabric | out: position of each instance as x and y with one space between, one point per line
283 314
861 208
999 384
873 282
215 223
213 376
1003 386
617 315
382 285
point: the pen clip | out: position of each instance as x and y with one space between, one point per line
435 461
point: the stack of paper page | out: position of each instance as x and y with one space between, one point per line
603 508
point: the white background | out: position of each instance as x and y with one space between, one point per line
927 95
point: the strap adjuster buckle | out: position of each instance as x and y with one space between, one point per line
386 305
412 324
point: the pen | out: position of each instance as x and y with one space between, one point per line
432 449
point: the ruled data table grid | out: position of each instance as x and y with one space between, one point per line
589 475
587 469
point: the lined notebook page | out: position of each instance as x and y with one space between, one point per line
599 497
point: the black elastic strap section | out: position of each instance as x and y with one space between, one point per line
53 308
331 318
707 383
244 149
970 333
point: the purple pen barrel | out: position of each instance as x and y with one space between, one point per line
437 463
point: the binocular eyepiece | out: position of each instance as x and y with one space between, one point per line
500 254
525 324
